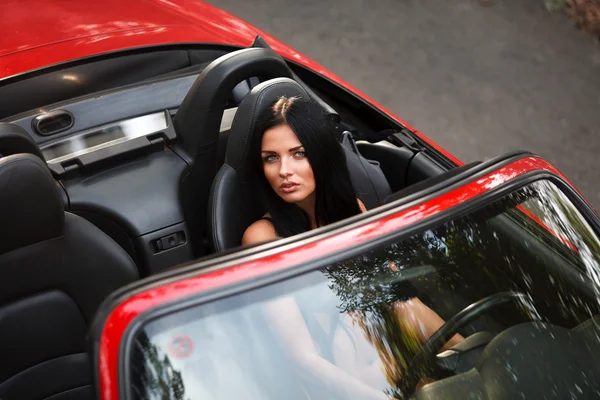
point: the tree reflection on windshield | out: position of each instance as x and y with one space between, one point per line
158 378
368 286
559 213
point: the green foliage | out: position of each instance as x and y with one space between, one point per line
555 5
370 286
159 379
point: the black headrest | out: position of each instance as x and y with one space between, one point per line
199 116
15 140
31 209
252 106
368 180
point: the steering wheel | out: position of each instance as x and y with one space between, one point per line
425 358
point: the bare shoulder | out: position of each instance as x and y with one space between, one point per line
260 231
361 206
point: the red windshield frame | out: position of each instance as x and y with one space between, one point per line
124 314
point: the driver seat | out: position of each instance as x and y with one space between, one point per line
233 205
55 270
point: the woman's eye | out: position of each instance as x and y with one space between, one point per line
270 158
300 154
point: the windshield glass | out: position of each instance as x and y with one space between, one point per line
353 329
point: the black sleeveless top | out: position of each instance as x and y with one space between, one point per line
267 219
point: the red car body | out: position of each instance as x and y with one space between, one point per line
61 31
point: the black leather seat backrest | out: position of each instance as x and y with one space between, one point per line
15 140
368 179
233 204
55 270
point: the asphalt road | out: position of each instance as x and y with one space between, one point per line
480 80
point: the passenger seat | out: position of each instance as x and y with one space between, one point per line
55 270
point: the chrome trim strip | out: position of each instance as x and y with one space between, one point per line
132 129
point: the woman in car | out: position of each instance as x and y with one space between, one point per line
305 184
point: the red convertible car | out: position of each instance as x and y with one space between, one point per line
124 195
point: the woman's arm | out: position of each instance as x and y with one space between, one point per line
422 320
259 232
290 329
362 207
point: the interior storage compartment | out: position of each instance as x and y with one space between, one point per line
137 203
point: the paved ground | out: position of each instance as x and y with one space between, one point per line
478 80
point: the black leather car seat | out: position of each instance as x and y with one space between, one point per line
15 140
197 124
55 270
233 205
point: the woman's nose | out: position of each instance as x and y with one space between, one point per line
284 169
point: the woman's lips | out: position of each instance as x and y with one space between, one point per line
288 187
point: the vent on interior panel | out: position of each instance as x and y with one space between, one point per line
53 122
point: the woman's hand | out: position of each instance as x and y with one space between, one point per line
422 320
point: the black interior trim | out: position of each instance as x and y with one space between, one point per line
54 122
422 166
392 160
115 54
97 76
112 197
82 392
116 106
433 181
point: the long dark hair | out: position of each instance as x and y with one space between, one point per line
335 198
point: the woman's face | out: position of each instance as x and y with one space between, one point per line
286 166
